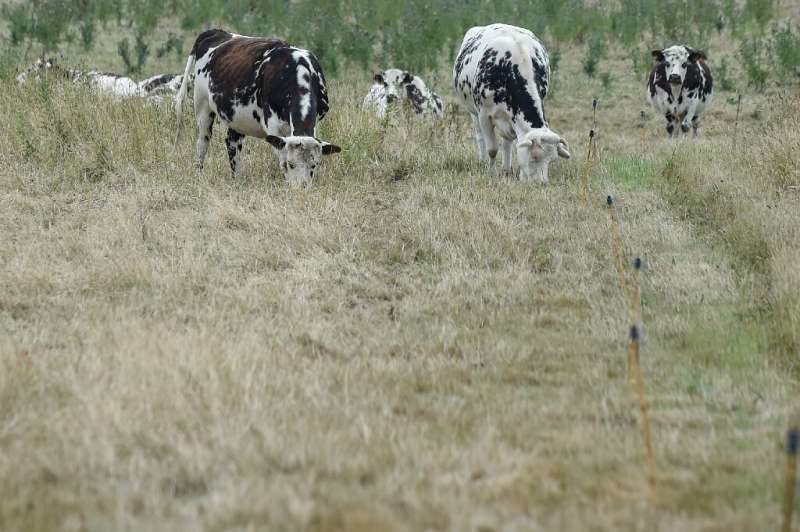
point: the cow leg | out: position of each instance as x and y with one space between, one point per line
205 125
479 139
670 124
695 125
234 142
489 138
689 119
507 145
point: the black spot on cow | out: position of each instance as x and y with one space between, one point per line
158 82
503 77
209 39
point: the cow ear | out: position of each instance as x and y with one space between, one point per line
378 78
694 55
328 148
563 149
276 142
658 55
407 78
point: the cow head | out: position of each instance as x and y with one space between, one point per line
299 156
536 150
676 60
393 81
42 64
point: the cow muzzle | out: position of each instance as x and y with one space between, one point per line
391 98
675 79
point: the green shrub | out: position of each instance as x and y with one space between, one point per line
722 75
595 52
786 50
752 52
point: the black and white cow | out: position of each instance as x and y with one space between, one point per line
395 85
112 84
680 87
102 82
501 76
259 87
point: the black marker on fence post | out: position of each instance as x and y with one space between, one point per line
792 444
651 463
593 139
636 298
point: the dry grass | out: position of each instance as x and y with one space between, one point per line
410 344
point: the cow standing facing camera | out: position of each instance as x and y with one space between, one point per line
680 87
259 87
501 76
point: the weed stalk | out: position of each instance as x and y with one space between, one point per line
636 298
616 233
651 463
792 443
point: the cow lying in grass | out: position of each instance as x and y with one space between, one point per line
259 87
103 82
680 87
397 86
501 75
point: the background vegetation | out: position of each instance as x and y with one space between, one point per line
416 34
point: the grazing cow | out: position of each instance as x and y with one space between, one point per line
393 85
501 76
680 87
102 82
259 87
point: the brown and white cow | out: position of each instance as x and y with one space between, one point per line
259 87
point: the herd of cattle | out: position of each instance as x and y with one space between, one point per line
267 88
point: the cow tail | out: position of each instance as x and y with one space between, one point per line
182 94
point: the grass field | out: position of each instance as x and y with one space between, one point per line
409 344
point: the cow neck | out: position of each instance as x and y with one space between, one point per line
523 124
530 111
302 127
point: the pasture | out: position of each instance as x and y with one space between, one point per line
409 344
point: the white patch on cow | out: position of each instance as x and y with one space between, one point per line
115 85
483 78
376 100
303 79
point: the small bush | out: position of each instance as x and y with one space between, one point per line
786 50
134 59
722 76
754 60
595 52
